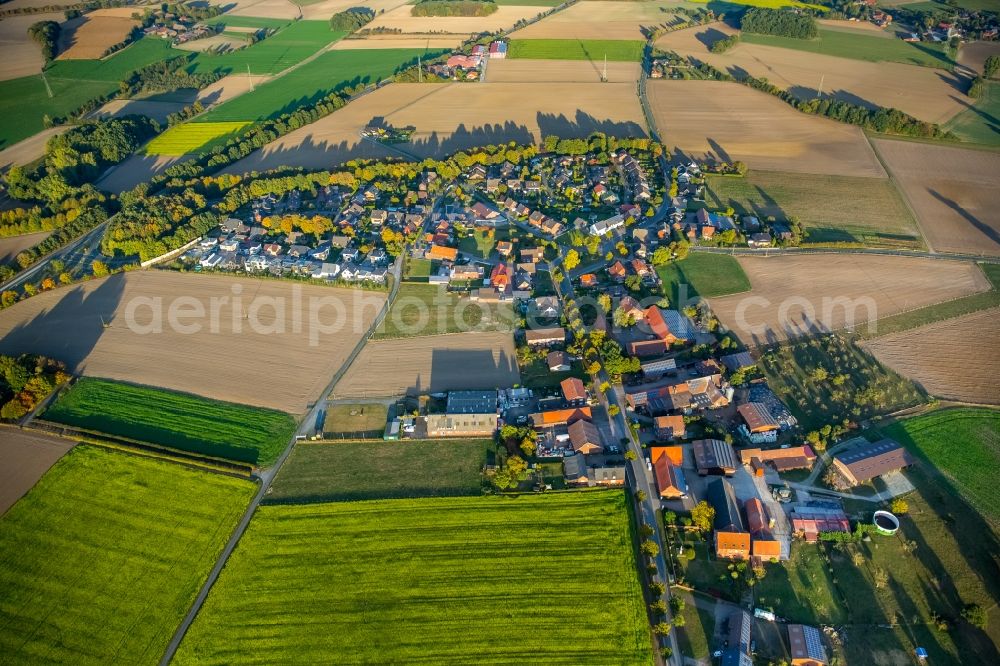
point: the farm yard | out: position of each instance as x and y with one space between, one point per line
24 457
804 295
561 71
717 120
192 138
177 420
399 581
422 309
832 209
936 356
90 36
925 93
953 191
594 50
106 553
86 326
502 19
350 471
431 363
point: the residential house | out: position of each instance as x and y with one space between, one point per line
546 306
608 476
669 427
667 462
806 646
737 361
532 255
588 280
763 546
505 248
441 253
864 463
604 227
631 308
738 652
545 337
575 469
500 277
585 438
574 391
560 417
714 456
732 540
656 369
324 272
558 361
273 249
617 271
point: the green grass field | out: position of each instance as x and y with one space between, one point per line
704 274
357 420
474 580
289 46
231 21
24 102
964 445
177 420
833 209
576 49
802 588
695 636
101 560
981 122
417 268
860 47
868 388
192 138
330 72
350 471
428 309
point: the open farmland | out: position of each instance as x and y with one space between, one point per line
287 47
805 295
221 42
87 327
502 19
91 35
10 246
600 20
953 191
429 309
101 560
190 138
962 444
177 420
21 55
24 457
431 363
272 9
156 110
925 93
704 274
974 54
717 120
323 9
594 50
561 71
833 209
453 117
394 41
439 580
936 356
28 150
138 168
857 45
977 123
350 471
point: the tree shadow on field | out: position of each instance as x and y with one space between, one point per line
710 36
69 330
985 228
990 120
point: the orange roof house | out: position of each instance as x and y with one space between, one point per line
674 453
669 476
442 253
556 417
631 307
732 545
617 271
500 276
794 457
658 325
669 427
573 390
764 547
505 248
588 280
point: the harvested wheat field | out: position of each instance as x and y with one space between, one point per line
89 37
24 457
600 20
792 296
502 19
233 360
30 149
953 191
223 43
929 94
430 42
21 56
452 117
862 27
470 360
718 120
10 246
974 54
322 10
940 356
560 71
279 9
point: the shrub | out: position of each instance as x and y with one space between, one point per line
723 45
46 34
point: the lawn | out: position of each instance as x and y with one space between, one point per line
24 102
964 445
289 46
795 373
102 559
981 122
802 589
330 72
479 243
429 309
356 421
191 138
483 580
177 420
418 268
627 50
833 209
348 471
695 637
704 274
537 375
861 47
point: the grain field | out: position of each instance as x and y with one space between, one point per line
601 20
503 19
94 33
561 71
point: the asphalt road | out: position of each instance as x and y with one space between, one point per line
69 253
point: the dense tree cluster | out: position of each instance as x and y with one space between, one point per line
351 19
166 75
25 381
724 44
46 35
779 22
454 8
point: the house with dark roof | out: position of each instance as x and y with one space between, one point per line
714 456
737 361
732 540
737 652
558 361
545 337
669 427
585 437
864 463
575 469
757 418
806 646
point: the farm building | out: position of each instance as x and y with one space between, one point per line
656 369
498 50
585 438
737 361
667 461
714 456
545 337
757 418
763 546
669 427
441 253
471 402
731 537
558 417
783 460
575 469
865 463
809 520
461 425
806 646
608 476
573 390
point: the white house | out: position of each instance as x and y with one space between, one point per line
607 226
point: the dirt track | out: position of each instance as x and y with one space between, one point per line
24 457
246 359
953 191
432 363
956 359
800 292
727 121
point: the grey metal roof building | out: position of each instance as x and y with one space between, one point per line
806 644
472 402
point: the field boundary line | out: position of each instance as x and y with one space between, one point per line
901 191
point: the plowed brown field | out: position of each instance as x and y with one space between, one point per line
793 296
24 457
956 359
255 355
97 31
427 363
560 71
